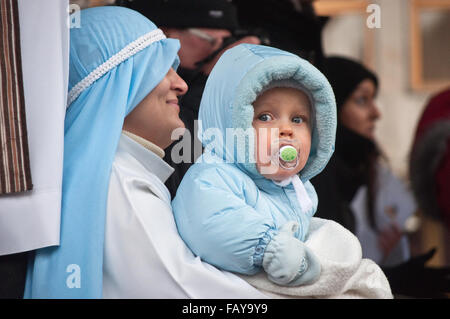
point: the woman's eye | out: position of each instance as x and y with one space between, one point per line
297 120
264 117
361 100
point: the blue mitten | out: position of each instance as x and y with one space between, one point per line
287 261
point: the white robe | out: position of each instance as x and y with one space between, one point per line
31 220
144 257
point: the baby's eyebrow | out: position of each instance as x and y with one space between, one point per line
308 108
268 103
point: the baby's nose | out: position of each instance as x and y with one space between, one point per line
286 131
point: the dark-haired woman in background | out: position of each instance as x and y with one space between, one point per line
366 197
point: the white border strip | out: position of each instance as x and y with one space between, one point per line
130 50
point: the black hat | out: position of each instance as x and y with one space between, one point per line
287 28
215 14
344 75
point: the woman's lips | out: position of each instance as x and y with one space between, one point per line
174 103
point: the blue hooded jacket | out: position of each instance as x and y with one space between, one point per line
225 210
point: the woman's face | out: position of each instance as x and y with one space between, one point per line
157 115
359 113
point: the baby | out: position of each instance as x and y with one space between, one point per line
267 122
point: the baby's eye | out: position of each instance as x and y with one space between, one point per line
264 117
297 120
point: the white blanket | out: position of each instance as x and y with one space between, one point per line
344 273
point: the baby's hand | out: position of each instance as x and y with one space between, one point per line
288 261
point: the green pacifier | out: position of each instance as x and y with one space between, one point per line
288 153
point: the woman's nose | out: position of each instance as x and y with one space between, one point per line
376 114
178 84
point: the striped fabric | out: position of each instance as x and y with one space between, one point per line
15 175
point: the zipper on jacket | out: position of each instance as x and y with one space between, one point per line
294 207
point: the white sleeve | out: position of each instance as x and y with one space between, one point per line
31 220
144 256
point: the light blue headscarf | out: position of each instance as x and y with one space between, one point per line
100 96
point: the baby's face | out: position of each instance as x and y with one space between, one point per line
281 113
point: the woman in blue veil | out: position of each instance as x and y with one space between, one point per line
94 118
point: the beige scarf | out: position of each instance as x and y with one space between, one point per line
145 143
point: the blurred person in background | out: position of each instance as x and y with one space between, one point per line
430 159
289 25
376 203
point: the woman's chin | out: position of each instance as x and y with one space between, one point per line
178 131
370 135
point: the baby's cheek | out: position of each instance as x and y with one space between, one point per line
304 154
264 149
